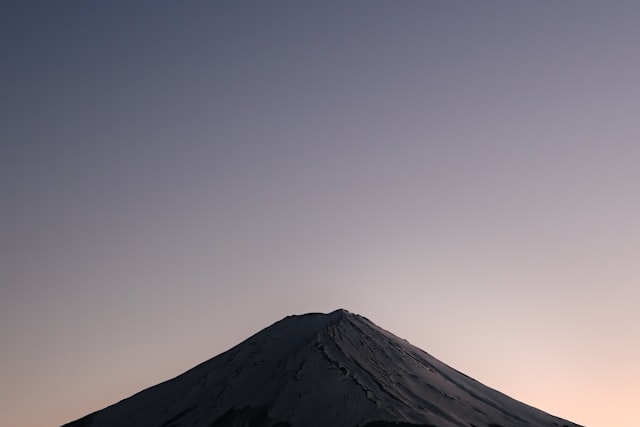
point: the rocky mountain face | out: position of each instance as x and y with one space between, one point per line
320 370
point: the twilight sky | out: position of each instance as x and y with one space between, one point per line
175 176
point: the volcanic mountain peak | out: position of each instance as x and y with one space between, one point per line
337 369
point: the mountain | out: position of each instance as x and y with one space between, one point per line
330 370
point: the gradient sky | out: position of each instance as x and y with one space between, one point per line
175 176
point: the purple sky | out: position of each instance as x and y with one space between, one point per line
177 175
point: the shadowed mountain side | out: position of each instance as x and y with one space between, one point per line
336 369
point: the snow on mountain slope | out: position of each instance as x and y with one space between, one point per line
336 369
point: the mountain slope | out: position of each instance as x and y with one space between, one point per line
337 369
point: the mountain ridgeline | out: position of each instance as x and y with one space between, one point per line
321 370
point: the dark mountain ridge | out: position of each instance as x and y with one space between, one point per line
337 369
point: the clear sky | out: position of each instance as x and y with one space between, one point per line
175 176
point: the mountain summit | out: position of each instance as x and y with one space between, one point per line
330 370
